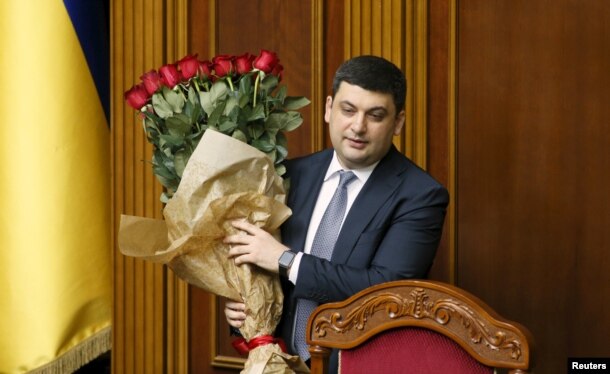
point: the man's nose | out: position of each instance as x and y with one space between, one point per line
359 124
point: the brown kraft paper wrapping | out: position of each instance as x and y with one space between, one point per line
224 180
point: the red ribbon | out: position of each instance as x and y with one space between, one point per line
243 347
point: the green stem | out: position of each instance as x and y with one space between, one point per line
258 78
230 81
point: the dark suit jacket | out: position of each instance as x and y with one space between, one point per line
391 231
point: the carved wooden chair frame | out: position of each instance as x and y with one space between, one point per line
446 309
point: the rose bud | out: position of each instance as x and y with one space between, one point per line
205 69
137 96
151 81
223 65
169 75
188 66
266 61
243 63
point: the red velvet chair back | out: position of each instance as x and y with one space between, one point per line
409 350
416 326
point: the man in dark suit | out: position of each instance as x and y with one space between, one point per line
393 210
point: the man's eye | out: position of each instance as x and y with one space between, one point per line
348 110
376 117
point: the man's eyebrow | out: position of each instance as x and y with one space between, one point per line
378 108
372 109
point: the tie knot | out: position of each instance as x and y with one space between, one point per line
345 178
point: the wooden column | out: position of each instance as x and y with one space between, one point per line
150 304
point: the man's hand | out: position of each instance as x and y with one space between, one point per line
255 246
235 313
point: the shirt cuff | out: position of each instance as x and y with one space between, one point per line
294 268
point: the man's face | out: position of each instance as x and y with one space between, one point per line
361 125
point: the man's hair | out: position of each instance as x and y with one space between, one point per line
373 74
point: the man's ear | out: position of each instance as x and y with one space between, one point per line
329 107
399 122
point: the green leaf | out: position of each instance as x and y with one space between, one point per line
193 97
275 121
178 126
256 130
269 83
164 198
294 121
164 171
257 113
216 113
281 94
263 145
175 99
172 140
180 160
161 106
272 155
209 100
282 151
281 140
281 170
294 102
149 123
227 127
238 134
245 85
243 100
230 105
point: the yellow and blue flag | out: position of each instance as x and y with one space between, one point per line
55 246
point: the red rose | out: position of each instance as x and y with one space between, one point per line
188 67
169 75
223 65
266 61
277 71
205 69
152 81
243 63
137 96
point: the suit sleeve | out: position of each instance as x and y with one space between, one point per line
400 245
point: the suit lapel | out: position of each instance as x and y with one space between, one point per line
378 188
307 183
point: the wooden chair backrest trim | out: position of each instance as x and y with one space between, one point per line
446 309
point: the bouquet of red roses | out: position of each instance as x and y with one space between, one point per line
217 130
235 95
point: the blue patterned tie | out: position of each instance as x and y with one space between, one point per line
322 246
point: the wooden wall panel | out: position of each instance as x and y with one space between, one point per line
149 319
440 125
532 136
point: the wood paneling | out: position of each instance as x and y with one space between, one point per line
440 126
149 320
533 134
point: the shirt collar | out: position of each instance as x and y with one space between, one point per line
362 174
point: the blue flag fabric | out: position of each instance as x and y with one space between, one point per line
91 20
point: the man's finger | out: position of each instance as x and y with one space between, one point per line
245 226
236 239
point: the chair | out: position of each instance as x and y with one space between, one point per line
416 326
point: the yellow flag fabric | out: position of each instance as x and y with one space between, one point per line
55 276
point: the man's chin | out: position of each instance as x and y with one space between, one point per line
354 160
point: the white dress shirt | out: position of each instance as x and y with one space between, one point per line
331 181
